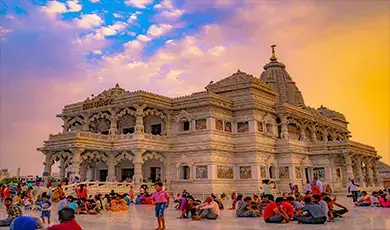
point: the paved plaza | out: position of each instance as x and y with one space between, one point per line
141 217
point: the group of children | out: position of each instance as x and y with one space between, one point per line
377 199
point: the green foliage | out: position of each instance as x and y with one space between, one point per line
9 180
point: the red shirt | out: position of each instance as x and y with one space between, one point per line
81 194
269 210
288 208
67 225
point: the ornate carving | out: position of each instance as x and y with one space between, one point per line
94 155
154 155
100 115
184 159
183 114
156 113
74 120
124 112
124 155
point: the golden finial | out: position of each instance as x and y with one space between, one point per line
273 57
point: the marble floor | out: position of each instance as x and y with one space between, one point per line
141 217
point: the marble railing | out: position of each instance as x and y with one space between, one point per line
98 187
149 136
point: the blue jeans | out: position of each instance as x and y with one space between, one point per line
7 222
274 219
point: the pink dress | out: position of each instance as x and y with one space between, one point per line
385 204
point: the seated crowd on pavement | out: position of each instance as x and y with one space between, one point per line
314 206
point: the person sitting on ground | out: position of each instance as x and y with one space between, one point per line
310 214
73 205
106 202
288 207
64 202
274 213
374 199
126 198
208 210
218 201
117 204
26 223
66 216
384 201
244 208
177 201
264 202
332 212
235 201
188 209
323 205
364 201
183 202
13 211
82 192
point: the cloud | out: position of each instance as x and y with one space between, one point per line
143 38
88 21
165 4
117 15
112 29
94 1
97 52
167 10
74 6
159 30
54 7
138 3
133 17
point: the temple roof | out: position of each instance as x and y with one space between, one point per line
109 94
331 114
279 79
237 80
383 167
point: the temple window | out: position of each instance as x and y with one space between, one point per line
268 126
330 138
184 172
243 127
126 124
184 126
76 126
128 130
260 127
228 126
271 171
320 136
105 132
156 129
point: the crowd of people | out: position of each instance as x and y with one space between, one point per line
314 206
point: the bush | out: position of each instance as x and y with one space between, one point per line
9 180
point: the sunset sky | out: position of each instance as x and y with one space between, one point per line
54 53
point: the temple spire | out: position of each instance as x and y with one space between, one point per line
273 57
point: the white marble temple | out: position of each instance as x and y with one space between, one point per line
141 217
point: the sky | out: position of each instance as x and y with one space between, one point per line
54 53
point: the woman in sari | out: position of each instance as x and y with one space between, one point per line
57 194
118 204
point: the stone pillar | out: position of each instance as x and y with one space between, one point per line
313 135
76 161
139 121
377 179
359 172
302 134
113 125
83 172
325 135
111 163
168 171
65 125
370 177
284 131
348 166
48 163
62 168
86 121
138 161
168 121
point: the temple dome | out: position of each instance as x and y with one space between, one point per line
109 94
279 79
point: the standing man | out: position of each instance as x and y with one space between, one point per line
319 184
160 199
13 212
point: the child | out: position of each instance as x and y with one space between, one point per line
16 200
127 199
46 209
27 203
161 200
73 205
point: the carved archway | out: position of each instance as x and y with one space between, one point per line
99 115
184 163
73 121
95 155
124 112
156 113
124 156
183 114
153 155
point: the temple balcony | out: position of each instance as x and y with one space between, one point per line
91 140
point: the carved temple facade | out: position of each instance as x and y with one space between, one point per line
239 131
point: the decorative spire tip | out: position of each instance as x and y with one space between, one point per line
117 85
273 57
